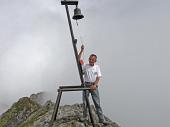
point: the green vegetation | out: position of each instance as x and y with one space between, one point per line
34 117
25 106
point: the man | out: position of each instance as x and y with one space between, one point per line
92 77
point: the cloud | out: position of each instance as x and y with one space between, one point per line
129 37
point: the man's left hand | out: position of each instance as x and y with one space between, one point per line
93 87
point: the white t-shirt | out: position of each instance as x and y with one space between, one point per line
91 72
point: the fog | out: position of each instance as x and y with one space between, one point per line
130 37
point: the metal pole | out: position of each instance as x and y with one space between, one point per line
56 106
74 41
90 110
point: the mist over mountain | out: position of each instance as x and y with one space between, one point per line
130 37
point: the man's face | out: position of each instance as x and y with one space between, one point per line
92 60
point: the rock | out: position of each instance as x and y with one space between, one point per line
39 98
28 112
18 113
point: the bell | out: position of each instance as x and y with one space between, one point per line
77 14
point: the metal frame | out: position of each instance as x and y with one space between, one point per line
69 2
82 87
64 89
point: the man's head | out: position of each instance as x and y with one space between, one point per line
92 59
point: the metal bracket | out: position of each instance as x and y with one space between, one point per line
69 2
66 89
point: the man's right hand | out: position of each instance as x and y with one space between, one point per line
82 47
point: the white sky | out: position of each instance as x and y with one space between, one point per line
130 37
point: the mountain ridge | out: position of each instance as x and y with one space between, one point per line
33 112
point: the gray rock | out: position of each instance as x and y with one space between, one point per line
32 114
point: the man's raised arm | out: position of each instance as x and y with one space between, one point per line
81 52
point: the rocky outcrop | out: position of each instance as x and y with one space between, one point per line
39 98
18 113
29 113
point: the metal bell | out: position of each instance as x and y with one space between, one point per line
77 14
